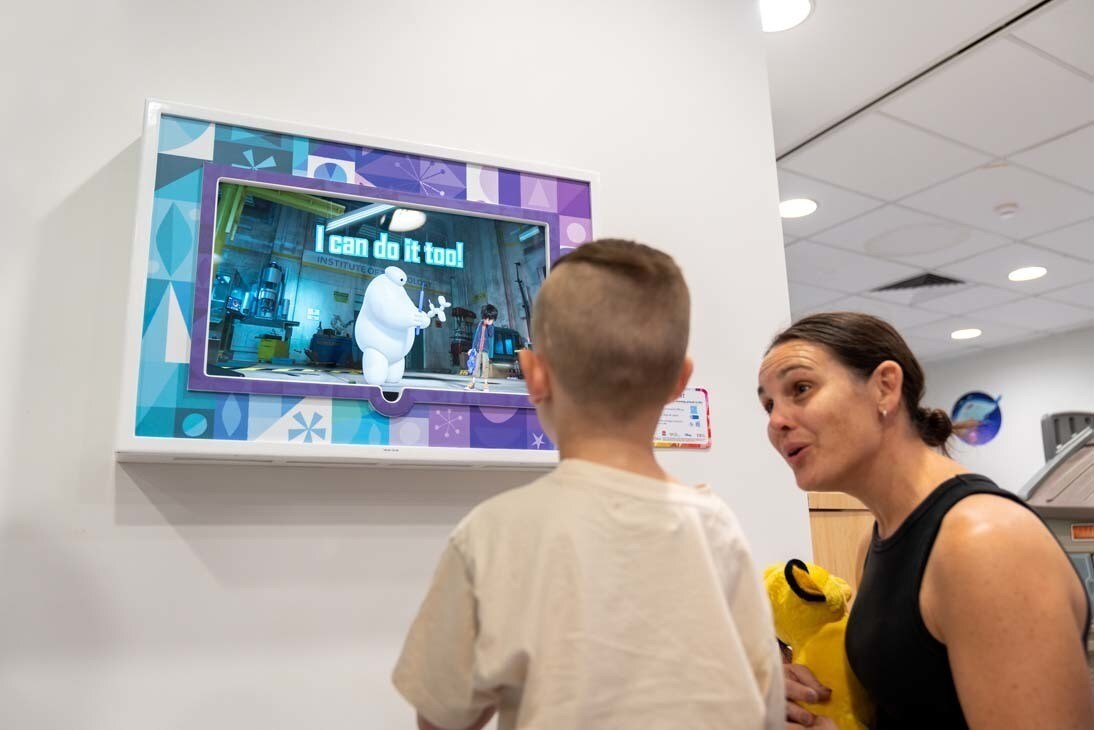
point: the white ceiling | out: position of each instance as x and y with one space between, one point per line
850 52
911 185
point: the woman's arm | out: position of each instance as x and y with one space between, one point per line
1002 596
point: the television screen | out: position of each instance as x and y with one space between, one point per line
315 288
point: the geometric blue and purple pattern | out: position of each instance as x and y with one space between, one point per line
191 149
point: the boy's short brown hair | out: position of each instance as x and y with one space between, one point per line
612 322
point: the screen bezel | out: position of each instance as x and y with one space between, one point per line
388 402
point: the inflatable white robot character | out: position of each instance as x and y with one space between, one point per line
385 327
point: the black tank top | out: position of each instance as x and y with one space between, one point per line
903 667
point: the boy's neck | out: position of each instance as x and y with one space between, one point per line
622 451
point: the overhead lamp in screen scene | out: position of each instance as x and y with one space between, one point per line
403 220
358 216
1027 273
969 334
780 15
797 208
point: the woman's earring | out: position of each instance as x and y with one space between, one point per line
884 413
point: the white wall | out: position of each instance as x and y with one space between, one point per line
178 597
1047 375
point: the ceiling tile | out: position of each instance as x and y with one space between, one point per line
797 316
834 268
994 266
1063 30
994 333
883 157
1069 158
971 299
1043 204
895 314
804 297
1081 295
1038 313
852 51
931 350
910 237
1000 97
1076 240
833 204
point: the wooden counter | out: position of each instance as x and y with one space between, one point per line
837 522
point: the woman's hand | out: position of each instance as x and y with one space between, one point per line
802 686
821 723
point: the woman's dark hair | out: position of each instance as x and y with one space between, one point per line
489 311
862 342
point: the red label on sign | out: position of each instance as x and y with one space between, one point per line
1082 532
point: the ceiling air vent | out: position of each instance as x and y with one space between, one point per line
920 281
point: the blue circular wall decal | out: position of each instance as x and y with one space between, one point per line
983 412
194 425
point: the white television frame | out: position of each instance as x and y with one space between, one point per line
132 448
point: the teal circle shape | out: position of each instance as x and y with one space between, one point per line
194 425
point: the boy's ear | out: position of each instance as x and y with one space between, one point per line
536 377
682 381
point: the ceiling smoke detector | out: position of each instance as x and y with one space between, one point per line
1006 211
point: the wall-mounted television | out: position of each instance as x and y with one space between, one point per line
302 295
313 293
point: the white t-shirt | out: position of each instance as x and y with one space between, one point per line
594 598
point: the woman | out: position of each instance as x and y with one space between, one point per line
969 613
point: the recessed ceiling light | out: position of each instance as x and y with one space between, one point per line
1027 273
403 220
1006 211
779 15
797 207
968 334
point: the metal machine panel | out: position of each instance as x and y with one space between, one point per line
1064 487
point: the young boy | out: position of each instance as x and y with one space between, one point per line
482 344
604 595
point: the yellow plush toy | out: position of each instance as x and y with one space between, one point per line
811 610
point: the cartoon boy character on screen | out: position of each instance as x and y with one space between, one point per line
482 344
